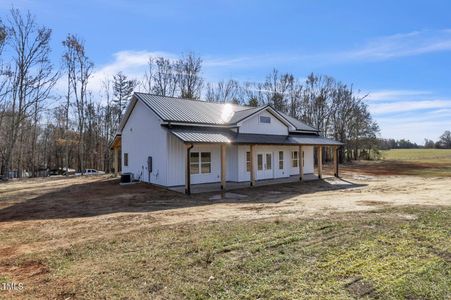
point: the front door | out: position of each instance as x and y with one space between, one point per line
264 165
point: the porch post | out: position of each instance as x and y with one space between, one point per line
115 160
223 166
301 163
188 169
320 162
335 161
252 152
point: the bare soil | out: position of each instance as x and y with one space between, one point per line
66 209
42 215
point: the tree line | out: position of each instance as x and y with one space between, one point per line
443 142
51 119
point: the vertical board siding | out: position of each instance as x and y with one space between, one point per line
142 137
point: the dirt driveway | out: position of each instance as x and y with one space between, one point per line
62 211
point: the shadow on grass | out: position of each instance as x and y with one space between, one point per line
106 197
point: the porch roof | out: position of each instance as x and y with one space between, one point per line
215 135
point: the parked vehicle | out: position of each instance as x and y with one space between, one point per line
90 172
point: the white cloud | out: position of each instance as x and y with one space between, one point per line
406 106
400 45
396 95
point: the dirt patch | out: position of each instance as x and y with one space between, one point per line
360 288
373 203
24 270
61 213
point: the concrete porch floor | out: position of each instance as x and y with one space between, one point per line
216 186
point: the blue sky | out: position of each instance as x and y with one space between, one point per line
398 51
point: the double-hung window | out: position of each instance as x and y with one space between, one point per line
294 159
200 162
248 161
280 160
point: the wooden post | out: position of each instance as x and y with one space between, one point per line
335 161
188 169
116 160
301 163
252 152
320 162
223 166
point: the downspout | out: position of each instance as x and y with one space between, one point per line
188 170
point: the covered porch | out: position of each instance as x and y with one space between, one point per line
254 144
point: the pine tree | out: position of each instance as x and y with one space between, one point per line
122 93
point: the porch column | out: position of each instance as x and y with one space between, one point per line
116 160
188 169
301 163
252 152
335 161
223 166
320 162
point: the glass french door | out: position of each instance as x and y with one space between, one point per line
265 165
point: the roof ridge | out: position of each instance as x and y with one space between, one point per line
196 100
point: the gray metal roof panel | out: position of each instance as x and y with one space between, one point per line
173 109
193 135
297 123
214 135
190 111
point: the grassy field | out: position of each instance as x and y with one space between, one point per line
417 162
420 155
390 254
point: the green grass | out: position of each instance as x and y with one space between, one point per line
432 155
393 254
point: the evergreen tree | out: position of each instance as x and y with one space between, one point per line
122 93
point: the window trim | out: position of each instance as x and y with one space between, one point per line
248 161
294 160
281 160
200 163
126 159
260 118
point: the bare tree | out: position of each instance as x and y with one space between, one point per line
189 81
147 83
223 91
79 68
32 77
164 78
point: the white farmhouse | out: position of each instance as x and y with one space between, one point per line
179 142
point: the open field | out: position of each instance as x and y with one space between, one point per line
417 162
365 236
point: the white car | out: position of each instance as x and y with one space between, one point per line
91 172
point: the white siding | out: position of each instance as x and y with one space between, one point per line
215 175
232 164
142 137
253 125
176 161
287 170
308 160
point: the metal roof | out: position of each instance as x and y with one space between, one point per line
298 124
202 135
179 110
190 111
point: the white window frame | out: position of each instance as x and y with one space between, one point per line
281 160
248 161
294 159
200 162
265 118
126 159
